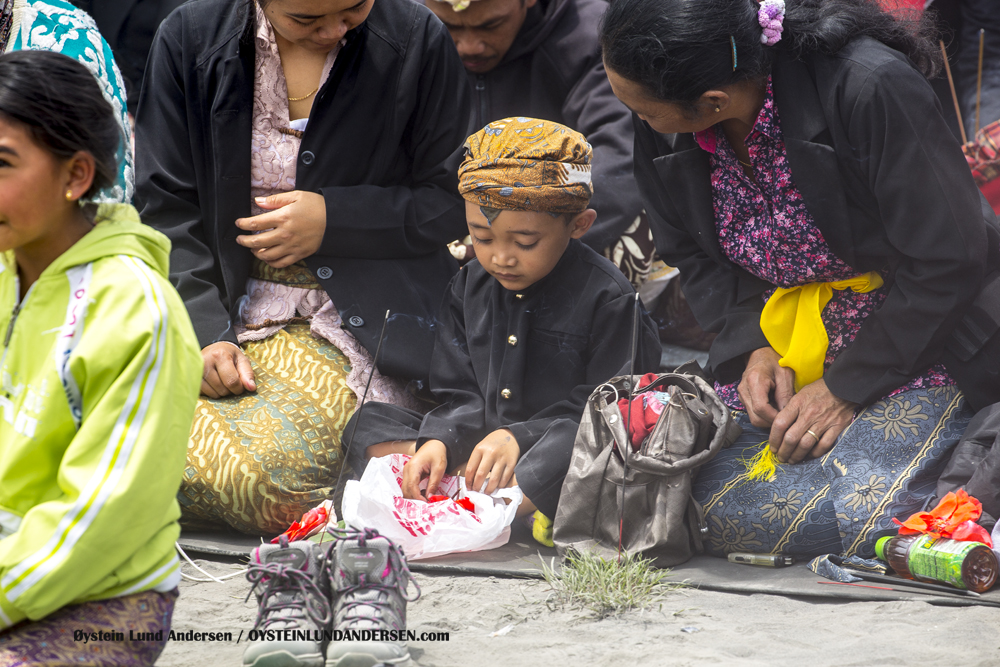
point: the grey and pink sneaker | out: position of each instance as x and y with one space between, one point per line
293 612
368 580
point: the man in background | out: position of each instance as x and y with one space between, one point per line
541 59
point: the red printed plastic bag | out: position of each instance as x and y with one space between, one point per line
428 529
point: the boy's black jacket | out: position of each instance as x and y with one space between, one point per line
549 345
381 130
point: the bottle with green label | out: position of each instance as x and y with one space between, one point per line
969 565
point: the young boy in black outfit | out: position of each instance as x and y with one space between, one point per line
527 330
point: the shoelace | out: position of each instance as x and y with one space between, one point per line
277 578
402 576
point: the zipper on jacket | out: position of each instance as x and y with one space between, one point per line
10 327
481 97
13 315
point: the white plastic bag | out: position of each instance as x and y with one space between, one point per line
422 529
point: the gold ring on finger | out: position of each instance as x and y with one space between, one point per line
809 431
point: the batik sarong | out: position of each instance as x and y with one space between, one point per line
258 461
884 465
129 631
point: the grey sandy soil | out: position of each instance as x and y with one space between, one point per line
730 630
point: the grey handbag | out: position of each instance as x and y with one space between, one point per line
652 513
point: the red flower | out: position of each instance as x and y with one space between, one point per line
953 518
464 503
312 522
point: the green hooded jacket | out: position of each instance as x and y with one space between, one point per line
99 377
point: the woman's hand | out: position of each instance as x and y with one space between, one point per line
763 376
493 458
430 461
810 424
291 230
227 371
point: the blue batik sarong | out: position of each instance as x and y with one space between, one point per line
884 465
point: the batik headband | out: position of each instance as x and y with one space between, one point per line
527 164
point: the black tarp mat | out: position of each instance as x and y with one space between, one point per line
522 557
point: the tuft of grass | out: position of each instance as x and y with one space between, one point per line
607 587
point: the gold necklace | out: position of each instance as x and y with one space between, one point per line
304 97
745 164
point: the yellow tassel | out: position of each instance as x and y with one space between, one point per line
763 465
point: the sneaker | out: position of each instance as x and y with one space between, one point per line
368 578
286 580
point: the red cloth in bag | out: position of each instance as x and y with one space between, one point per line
640 417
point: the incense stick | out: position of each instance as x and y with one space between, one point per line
361 406
627 451
979 78
954 95
846 583
910 583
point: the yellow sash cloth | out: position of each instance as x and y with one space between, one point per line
792 322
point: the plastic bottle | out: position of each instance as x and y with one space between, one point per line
969 565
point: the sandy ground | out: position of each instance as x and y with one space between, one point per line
689 627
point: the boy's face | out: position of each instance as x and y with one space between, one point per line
522 247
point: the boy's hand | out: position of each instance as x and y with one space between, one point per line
494 458
430 461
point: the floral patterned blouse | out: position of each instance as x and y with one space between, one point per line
765 228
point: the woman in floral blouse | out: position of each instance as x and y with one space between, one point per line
798 171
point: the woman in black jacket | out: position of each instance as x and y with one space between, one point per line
294 153
798 171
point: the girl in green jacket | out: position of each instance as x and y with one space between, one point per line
99 374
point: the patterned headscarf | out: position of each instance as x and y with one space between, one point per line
526 164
